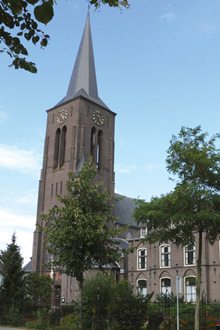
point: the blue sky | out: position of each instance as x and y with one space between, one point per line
158 68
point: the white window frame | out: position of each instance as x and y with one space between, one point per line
163 254
141 290
144 232
140 257
219 249
167 291
193 288
186 257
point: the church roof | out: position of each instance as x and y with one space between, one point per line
83 79
124 210
27 267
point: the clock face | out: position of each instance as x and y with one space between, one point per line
62 115
98 117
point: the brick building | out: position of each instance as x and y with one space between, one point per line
78 126
154 268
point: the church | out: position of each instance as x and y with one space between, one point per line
78 126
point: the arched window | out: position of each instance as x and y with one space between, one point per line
100 149
190 289
142 287
63 146
56 148
165 284
93 144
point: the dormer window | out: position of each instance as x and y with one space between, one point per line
143 232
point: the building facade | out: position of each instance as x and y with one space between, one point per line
154 268
78 126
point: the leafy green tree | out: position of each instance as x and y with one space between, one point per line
38 289
79 233
193 207
23 17
13 287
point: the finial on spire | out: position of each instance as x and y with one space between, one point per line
88 7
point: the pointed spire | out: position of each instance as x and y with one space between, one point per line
83 79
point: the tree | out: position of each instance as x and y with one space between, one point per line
193 207
98 301
38 289
79 234
13 287
130 309
17 15
106 301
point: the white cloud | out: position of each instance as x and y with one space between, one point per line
168 18
124 168
152 167
25 161
12 220
30 197
3 116
22 226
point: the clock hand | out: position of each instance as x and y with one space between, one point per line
99 119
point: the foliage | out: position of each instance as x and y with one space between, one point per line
155 319
42 318
55 314
13 287
106 303
12 316
16 15
79 233
194 205
168 299
98 299
130 309
70 322
30 323
23 17
38 289
70 308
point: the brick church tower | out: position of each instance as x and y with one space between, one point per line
78 126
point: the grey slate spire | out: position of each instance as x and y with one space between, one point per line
83 79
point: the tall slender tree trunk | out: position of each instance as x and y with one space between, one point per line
81 302
198 281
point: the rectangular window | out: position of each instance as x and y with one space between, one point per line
165 256
142 258
190 254
143 232
190 287
51 190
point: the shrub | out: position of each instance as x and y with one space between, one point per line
12 317
54 315
155 319
70 322
130 309
98 300
168 299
